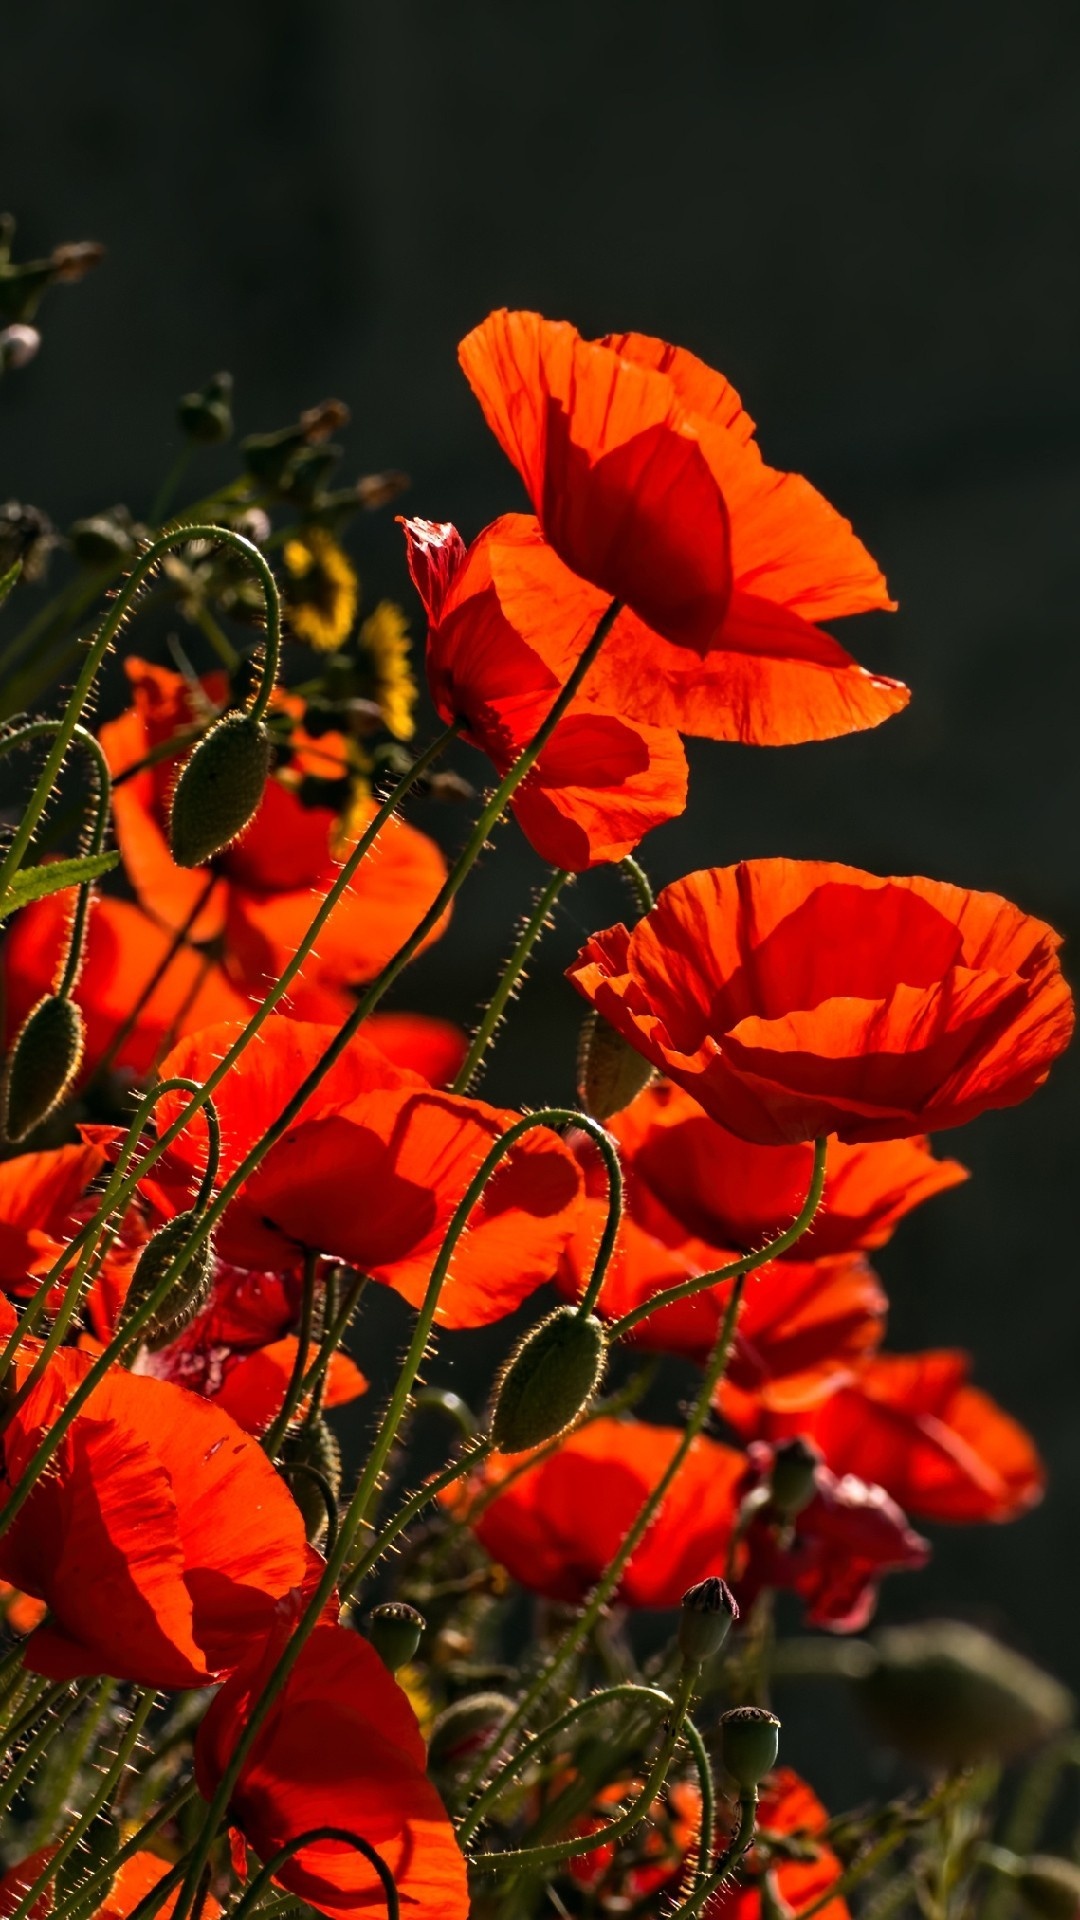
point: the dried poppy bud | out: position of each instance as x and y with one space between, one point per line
708 1615
466 1729
103 539
189 1290
43 1062
794 1476
395 1630
308 1451
548 1380
219 789
1049 1887
949 1695
749 1741
611 1072
206 416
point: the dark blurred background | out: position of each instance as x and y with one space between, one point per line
867 217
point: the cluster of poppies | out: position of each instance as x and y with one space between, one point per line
775 1018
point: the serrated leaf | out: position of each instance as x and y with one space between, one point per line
35 883
8 580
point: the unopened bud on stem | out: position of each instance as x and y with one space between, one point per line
44 1060
395 1631
708 1613
548 1381
749 1743
219 789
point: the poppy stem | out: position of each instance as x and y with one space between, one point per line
65 727
257 1887
294 1392
711 1881
640 884
532 1858
95 840
530 933
85 1899
477 1451
736 1269
578 1631
178 941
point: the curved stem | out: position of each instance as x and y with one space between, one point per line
580 1628
626 1690
511 975
471 1457
551 1854
93 748
284 1854
99 646
740 1843
736 1269
294 1392
634 872
706 1835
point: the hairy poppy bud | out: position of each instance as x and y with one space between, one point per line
548 1380
1049 1887
188 1291
394 1630
611 1073
466 1729
206 416
793 1477
309 1451
749 1742
42 1064
219 788
949 1695
708 1615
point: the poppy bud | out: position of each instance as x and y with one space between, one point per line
708 1615
947 1694
1049 1887
188 1291
395 1630
467 1728
548 1380
206 416
313 1446
219 788
749 1742
18 345
611 1073
793 1477
103 539
42 1064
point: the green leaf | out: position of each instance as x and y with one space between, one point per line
8 580
34 883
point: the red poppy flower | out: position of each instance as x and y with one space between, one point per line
558 1524
18 1880
788 1808
161 1539
134 1880
835 1552
42 1204
340 1747
944 1450
260 894
371 1172
761 670
799 998
662 1845
602 781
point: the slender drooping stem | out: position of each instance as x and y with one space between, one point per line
294 1392
739 1844
747 1263
98 825
252 1895
509 979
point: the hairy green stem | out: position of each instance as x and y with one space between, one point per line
740 1843
294 1392
267 1871
472 1456
511 975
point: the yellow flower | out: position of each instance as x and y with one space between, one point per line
411 1681
385 638
323 596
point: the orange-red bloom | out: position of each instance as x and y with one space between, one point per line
340 1747
557 1525
371 1172
602 781
790 1808
719 636
912 1422
799 998
260 895
161 1539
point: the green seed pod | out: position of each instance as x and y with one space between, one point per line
219 789
206 416
188 1292
793 1478
395 1631
1049 1887
611 1072
708 1614
548 1380
44 1060
466 1729
749 1743
948 1695
315 1447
